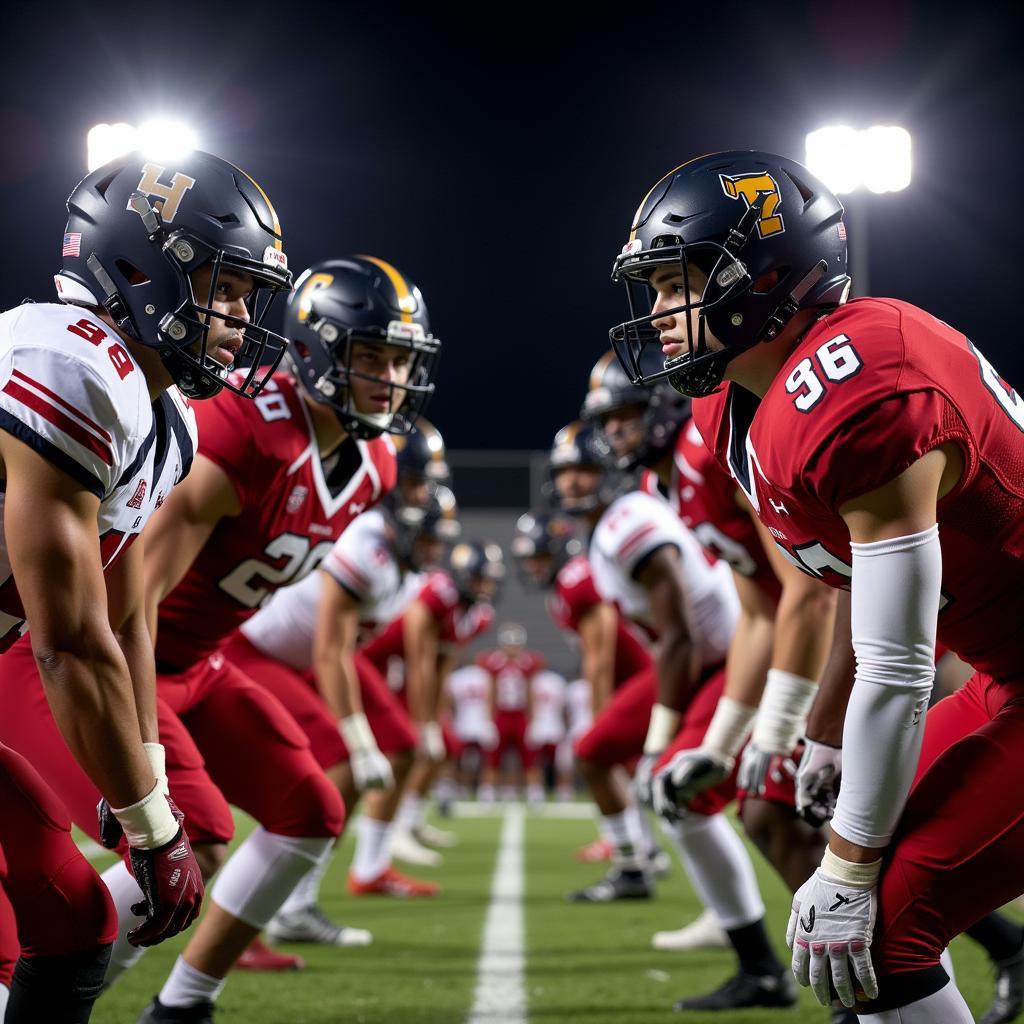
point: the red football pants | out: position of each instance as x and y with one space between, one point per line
297 692
58 900
27 725
511 728
958 852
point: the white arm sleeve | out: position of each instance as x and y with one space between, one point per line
894 607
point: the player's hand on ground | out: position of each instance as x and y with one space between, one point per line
689 773
370 768
817 782
829 933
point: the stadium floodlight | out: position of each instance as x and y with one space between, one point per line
158 139
845 159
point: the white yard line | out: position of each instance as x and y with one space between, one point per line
500 984
472 809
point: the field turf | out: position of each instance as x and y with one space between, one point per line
585 964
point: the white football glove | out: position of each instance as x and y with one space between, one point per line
430 745
370 768
831 926
753 773
817 782
642 778
688 773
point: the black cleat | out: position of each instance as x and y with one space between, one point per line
744 990
157 1013
1009 991
618 884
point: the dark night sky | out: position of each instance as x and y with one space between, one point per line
497 156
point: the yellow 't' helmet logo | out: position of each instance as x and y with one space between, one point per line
750 186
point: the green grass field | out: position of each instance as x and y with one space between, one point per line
584 964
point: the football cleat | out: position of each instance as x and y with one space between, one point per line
260 957
427 835
618 884
703 933
1009 991
745 990
593 853
157 1013
311 924
404 846
392 883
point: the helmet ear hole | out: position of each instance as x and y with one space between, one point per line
130 272
767 281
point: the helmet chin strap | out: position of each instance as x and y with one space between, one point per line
789 306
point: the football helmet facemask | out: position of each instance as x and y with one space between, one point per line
766 234
136 231
338 305
582 444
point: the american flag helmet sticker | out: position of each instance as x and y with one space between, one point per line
72 243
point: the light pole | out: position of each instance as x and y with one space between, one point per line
846 160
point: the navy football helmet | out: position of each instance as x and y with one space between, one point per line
138 228
548 540
767 235
582 443
477 569
662 410
339 304
421 454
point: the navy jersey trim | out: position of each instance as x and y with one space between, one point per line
49 451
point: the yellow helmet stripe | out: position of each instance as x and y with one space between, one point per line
598 372
402 290
270 206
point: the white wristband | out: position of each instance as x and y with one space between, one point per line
148 823
729 728
858 876
357 734
158 762
662 729
783 712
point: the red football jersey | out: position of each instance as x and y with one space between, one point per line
574 595
460 622
289 520
511 676
870 389
704 496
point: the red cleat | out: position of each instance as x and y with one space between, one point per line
392 883
260 957
593 853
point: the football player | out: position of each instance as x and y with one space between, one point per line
275 482
878 447
162 264
654 569
783 634
511 668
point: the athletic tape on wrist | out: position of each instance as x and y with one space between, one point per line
729 728
148 823
857 876
783 712
357 734
158 762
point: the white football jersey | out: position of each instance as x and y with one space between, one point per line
634 526
70 390
470 689
548 691
363 562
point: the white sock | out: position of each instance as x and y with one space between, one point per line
485 794
535 794
412 813
373 849
946 1006
124 891
622 830
263 871
307 892
651 846
720 870
185 986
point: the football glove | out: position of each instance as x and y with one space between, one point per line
688 773
817 782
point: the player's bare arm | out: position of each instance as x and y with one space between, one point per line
50 527
183 524
422 637
127 614
828 712
334 647
597 631
661 577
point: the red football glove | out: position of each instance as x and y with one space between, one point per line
169 877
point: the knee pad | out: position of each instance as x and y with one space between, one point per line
57 988
262 873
